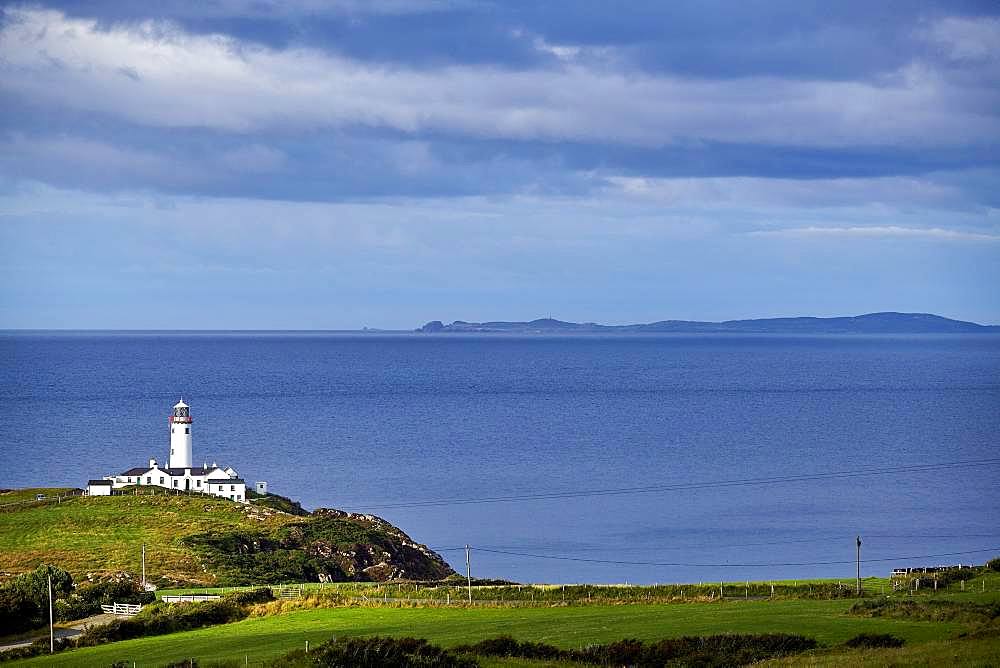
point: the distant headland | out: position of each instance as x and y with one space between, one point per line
869 323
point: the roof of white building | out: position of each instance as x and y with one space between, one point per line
195 471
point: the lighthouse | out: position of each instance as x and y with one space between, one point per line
180 437
178 476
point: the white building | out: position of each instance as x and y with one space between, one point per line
99 487
179 474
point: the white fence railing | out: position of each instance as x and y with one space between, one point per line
190 598
121 609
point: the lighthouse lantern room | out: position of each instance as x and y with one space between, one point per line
180 436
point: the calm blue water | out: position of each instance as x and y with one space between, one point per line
363 421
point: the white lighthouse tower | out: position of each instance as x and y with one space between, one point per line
180 436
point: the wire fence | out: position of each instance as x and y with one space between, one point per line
41 500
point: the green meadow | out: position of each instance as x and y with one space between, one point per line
105 533
263 638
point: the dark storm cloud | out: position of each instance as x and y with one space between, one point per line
336 100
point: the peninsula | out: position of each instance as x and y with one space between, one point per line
869 323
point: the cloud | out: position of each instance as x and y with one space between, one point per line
879 232
253 159
180 79
966 38
748 191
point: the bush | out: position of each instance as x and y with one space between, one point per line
717 650
88 598
507 646
874 640
928 611
993 564
376 652
159 618
251 597
37 648
24 600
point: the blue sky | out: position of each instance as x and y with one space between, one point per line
339 164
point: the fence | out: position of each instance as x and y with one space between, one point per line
190 598
55 498
121 609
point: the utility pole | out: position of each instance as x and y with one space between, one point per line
859 565
468 569
52 634
144 567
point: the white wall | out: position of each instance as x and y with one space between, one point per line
180 445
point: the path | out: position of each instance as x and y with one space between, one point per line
71 631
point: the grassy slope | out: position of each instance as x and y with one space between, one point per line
267 637
28 493
92 534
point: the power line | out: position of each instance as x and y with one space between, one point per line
705 546
740 482
732 565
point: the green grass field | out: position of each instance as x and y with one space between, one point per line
263 638
11 497
105 534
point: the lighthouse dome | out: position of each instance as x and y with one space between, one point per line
181 404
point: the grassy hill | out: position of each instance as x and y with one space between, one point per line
203 540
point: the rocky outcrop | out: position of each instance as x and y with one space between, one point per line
399 557
325 546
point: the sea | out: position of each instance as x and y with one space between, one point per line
586 458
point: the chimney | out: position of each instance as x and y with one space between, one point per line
152 463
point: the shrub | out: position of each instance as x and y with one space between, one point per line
88 598
251 597
928 611
993 564
37 648
375 652
159 618
717 650
24 600
509 647
874 640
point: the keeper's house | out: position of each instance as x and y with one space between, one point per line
179 475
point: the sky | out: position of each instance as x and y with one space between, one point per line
337 164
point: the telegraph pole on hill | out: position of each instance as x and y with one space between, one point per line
859 565
52 635
468 569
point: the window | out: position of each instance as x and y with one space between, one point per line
198 483
221 487
149 480
130 479
187 430
232 488
161 480
175 483
171 451
171 430
230 497
239 497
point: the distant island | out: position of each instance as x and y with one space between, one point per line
870 323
